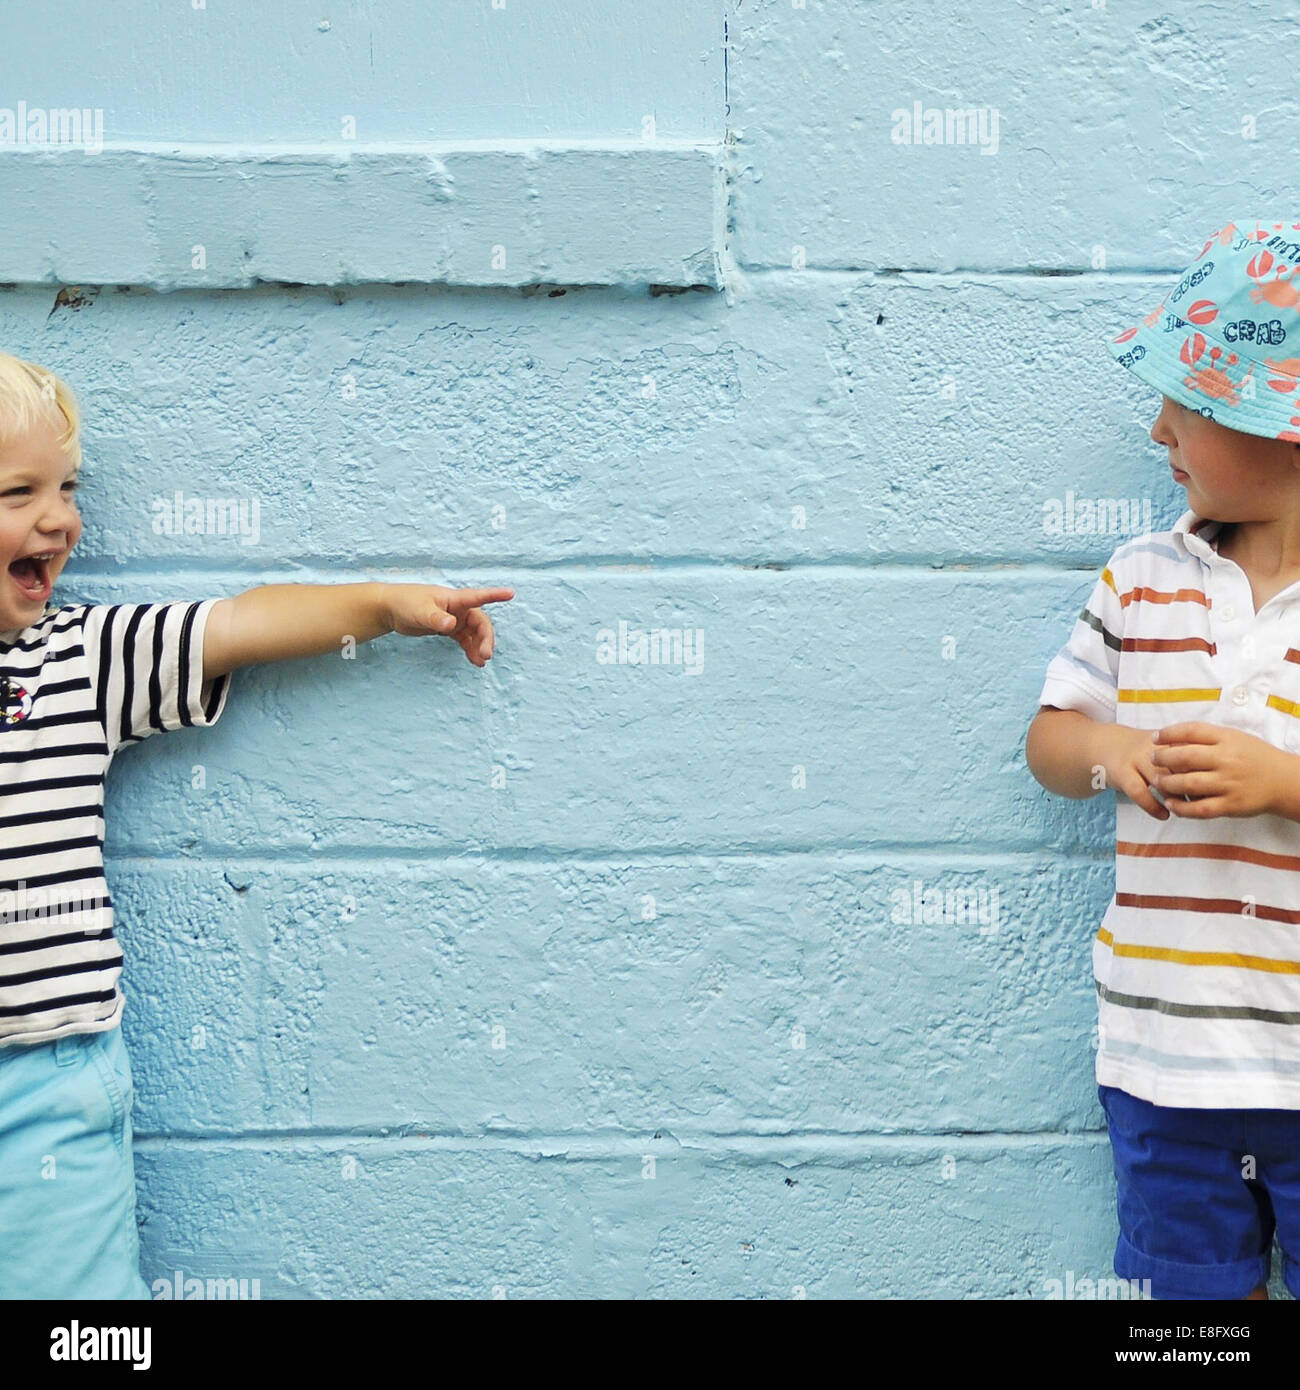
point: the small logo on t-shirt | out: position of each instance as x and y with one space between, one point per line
15 703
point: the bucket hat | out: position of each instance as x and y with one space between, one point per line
1225 340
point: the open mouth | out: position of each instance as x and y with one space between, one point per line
31 575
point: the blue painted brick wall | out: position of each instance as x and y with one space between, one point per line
579 978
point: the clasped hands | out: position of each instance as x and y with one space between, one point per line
1203 770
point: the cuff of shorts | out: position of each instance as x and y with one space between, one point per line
1171 1279
1291 1275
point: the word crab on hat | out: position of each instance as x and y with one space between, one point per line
1225 340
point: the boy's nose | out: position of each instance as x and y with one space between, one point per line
57 535
1160 431
61 516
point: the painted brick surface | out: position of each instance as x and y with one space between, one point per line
834 1220
706 994
1133 128
427 964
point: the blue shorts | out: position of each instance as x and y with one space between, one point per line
1195 1217
67 1173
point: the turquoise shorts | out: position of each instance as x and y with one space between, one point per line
67 1173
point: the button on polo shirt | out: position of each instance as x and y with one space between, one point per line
1197 960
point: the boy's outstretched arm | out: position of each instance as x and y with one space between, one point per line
1065 750
277 621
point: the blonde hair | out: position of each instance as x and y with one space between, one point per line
29 395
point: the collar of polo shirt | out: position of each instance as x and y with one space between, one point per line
1199 534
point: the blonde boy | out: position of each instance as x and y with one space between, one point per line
78 683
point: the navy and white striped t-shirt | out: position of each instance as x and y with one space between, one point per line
82 682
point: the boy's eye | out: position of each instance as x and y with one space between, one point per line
14 491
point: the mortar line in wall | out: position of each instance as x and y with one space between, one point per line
907 564
398 571
361 856
750 269
963 273
809 1145
726 70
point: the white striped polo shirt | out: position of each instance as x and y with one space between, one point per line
82 682
1197 962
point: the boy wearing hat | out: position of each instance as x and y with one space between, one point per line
1179 689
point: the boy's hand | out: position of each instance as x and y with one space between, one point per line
419 610
1125 755
1224 772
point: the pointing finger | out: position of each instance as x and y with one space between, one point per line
475 598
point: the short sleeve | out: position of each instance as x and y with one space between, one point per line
146 668
1084 674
